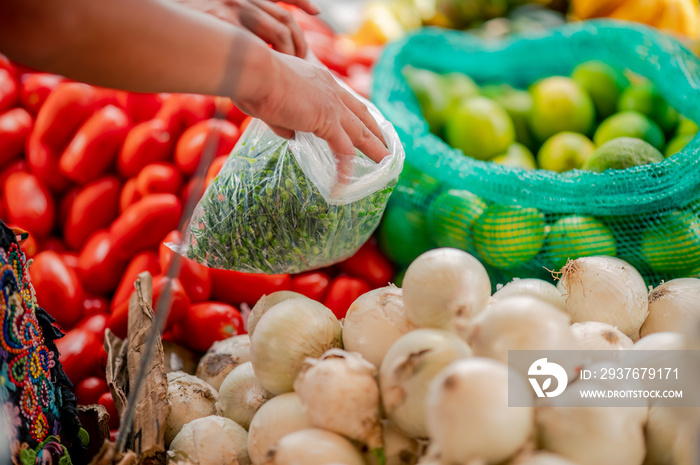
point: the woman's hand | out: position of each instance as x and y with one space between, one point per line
267 20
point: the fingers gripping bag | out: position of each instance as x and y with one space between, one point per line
277 207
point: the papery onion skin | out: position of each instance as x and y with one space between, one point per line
222 357
532 287
314 447
278 417
410 364
241 395
661 341
340 394
673 306
594 335
286 335
212 440
672 439
605 289
190 398
444 288
543 458
468 416
265 303
374 322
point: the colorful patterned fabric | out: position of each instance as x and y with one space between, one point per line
35 394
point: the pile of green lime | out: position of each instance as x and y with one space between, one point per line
599 118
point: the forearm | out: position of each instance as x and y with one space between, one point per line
139 45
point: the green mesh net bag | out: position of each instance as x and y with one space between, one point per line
524 223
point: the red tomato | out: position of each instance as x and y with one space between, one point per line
28 204
6 64
214 169
191 145
147 142
313 284
145 261
58 289
208 322
65 205
100 264
14 167
245 124
9 90
29 246
94 147
80 353
369 264
180 111
107 401
343 292
63 112
94 323
189 189
140 107
69 258
158 178
35 88
179 306
43 162
194 277
15 126
89 390
234 287
95 207
144 224
95 305
129 195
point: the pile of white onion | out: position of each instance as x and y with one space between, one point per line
420 374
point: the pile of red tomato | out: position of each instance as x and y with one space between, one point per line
99 177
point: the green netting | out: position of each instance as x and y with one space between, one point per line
521 223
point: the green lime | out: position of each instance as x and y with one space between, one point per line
603 83
450 216
622 153
428 89
644 98
517 156
507 237
403 234
686 127
480 128
575 236
459 86
421 183
565 151
673 244
518 104
560 104
629 124
677 144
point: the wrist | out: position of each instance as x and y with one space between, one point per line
250 67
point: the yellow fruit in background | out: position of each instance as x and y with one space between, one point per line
640 11
584 9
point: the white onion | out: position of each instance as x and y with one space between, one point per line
469 419
605 289
190 398
661 341
673 306
241 395
672 439
222 357
314 447
340 394
521 323
286 335
593 335
543 458
532 287
278 417
399 449
211 440
444 288
409 366
374 322
591 435
265 303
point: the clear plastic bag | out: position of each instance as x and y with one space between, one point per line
277 207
